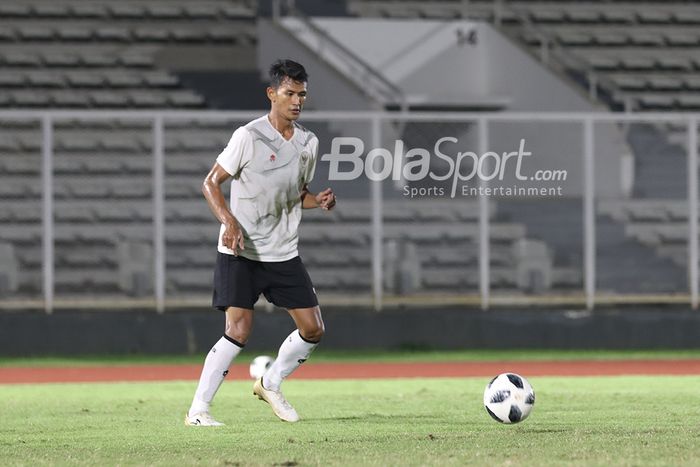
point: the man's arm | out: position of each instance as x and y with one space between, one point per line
324 200
211 189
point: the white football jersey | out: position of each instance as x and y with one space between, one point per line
268 173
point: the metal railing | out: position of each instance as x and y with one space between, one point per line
159 119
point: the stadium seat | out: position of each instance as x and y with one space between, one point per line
547 16
609 39
689 101
69 99
583 16
21 59
189 35
20 165
127 11
617 16
627 82
74 214
603 63
574 38
185 99
96 59
137 60
161 79
12 80
638 63
108 99
650 16
164 11
147 99
646 38
35 33
682 40
74 34
665 83
15 10
201 11
89 10
674 63
123 80
30 98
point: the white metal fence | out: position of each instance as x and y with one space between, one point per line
376 122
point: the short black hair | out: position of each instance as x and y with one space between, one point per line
287 69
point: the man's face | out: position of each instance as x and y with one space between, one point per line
288 98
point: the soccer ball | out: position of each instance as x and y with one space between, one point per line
509 398
259 366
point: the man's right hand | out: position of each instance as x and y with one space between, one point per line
233 237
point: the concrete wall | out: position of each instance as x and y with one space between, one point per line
134 332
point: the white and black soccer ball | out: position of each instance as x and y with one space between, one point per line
509 398
259 366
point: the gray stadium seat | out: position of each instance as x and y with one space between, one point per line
237 11
35 33
69 99
60 59
654 16
77 143
20 58
51 10
583 16
97 59
12 80
120 143
687 16
689 101
185 99
113 34
151 34
147 99
46 79
89 10
692 82
638 63
74 214
574 38
9 269
130 189
127 11
30 98
547 16
7 34
600 62
610 39
21 165
8 143
83 79
108 99
629 82
674 63
647 38
222 35
665 83
161 79
189 35
682 40
94 164
655 101
201 11
137 60
15 10
610 15
88 189
74 33
164 11
123 80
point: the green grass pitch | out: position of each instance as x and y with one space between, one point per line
603 421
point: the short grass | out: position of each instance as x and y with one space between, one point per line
360 356
603 421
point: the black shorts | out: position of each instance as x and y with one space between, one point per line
239 282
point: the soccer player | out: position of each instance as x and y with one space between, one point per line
271 161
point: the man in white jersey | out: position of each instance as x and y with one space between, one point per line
271 161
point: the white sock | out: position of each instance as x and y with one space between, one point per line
215 369
293 352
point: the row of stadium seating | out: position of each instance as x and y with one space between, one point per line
102 9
